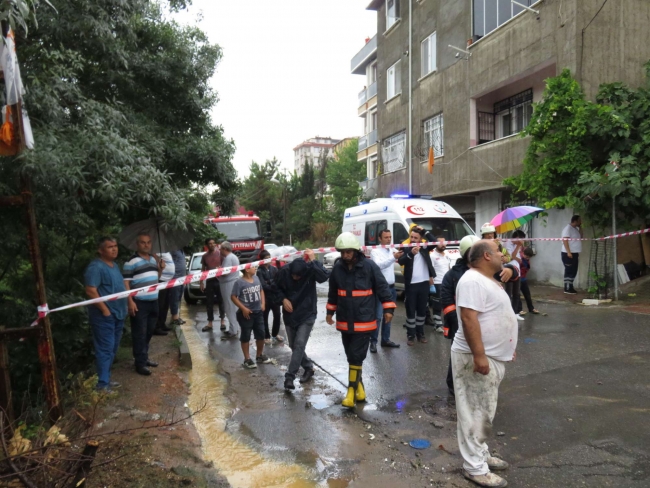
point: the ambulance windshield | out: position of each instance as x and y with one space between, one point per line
450 229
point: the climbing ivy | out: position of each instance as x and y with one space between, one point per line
583 153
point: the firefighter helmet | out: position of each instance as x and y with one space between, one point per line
347 241
488 228
467 242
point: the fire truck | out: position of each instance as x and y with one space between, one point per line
243 232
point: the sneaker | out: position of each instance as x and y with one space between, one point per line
114 384
373 347
571 291
496 464
389 344
520 318
439 329
249 364
263 359
488 479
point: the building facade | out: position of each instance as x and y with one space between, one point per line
311 150
460 76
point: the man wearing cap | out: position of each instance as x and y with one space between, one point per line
297 290
354 283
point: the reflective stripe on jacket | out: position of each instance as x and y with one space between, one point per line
353 294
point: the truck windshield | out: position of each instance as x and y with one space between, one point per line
450 229
239 230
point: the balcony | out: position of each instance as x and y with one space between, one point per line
363 143
368 140
367 99
363 97
364 56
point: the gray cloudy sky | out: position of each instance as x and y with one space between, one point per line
285 73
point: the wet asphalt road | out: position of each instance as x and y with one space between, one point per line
574 409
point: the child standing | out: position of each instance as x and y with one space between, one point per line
525 267
248 295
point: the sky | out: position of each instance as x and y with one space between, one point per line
285 72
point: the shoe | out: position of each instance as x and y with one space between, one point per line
522 313
105 391
114 384
488 479
160 332
288 384
279 338
227 335
263 359
267 341
152 364
439 329
207 328
423 340
223 325
389 344
178 322
143 371
570 291
520 318
373 347
535 312
410 341
350 398
306 377
250 364
496 464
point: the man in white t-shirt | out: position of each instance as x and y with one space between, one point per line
570 252
441 264
486 340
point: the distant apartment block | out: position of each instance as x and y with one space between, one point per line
311 150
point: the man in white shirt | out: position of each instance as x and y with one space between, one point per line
486 340
385 259
570 252
441 264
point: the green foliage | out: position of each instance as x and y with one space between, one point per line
574 141
120 101
599 285
18 13
343 176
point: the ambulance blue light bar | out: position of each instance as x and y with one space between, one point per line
404 196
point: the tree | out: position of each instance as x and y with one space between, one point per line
120 103
583 153
265 197
343 177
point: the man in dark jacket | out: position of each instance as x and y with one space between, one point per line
448 293
297 289
268 276
418 278
354 283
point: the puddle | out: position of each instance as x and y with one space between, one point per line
243 466
320 401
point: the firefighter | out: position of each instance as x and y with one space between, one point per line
354 283
448 293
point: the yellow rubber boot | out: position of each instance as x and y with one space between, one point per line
349 400
360 393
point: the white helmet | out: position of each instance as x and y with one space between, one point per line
467 242
487 228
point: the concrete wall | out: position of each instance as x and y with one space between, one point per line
546 266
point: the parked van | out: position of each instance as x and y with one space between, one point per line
397 214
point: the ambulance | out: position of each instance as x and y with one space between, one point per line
396 214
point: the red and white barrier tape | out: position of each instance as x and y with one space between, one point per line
43 310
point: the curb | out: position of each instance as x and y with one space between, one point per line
185 359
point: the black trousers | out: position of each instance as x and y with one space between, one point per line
213 292
512 289
163 306
356 347
276 320
143 323
570 269
526 292
417 301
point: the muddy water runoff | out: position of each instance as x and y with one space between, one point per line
243 466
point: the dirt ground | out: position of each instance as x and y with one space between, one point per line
160 455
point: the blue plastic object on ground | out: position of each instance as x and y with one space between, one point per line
420 444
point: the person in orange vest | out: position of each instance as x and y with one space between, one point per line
355 281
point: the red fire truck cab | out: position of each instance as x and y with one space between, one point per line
243 232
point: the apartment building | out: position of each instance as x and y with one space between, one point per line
311 150
461 76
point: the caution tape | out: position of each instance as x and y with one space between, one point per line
44 310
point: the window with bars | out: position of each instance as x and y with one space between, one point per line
509 117
490 14
392 152
433 131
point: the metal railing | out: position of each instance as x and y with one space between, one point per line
372 138
363 97
363 143
372 90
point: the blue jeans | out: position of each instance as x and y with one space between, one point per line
143 323
384 326
297 337
107 333
175 296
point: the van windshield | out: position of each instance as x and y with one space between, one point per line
450 229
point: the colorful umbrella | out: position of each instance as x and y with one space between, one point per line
514 217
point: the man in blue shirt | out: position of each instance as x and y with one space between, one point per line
139 271
102 278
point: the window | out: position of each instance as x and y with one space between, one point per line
392 12
371 74
509 117
393 81
450 229
372 231
429 54
399 233
372 168
392 152
490 14
433 135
